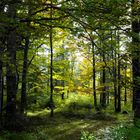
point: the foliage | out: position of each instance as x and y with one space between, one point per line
23 136
87 136
37 102
120 132
137 121
78 104
53 48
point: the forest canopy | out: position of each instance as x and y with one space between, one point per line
56 52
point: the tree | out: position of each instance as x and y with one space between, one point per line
94 74
136 60
1 90
51 66
11 75
24 76
25 66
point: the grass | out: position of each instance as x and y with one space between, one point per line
119 132
72 117
65 128
42 127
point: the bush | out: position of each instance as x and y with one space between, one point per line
16 136
76 101
87 136
23 136
77 105
121 132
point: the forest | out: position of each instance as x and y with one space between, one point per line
69 69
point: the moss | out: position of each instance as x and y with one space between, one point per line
137 122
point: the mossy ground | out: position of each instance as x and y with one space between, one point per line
72 117
63 126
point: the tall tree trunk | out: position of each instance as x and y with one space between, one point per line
103 94
24 75
63 93
94 74
51 77
114 72
125 89
63 81
119 86
11 76
51 69
115 80
2 47
104 89
1 91
136 62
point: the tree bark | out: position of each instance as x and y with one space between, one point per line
11 76
119 87
63 81
51 70
24 77
125 89
1 91
115 80
104 89
136 63
94 74
103 94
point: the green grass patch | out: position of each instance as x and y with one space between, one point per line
23 136
73 116
119 132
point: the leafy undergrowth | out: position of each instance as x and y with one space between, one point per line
119 132
63 126
74 118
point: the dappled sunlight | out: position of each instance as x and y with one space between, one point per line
63 127
69 70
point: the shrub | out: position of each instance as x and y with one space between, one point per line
17 136
87 136
121 132
23 136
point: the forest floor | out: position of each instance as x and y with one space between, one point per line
65 126
69 127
